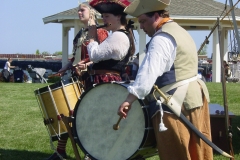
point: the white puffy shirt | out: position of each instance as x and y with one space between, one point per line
115 46
159 58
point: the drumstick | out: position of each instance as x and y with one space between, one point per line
57 74
116 126
53 75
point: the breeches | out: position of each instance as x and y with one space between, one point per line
179 142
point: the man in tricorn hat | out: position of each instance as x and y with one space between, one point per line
171 63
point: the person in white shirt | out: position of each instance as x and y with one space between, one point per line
170 60
111 56
6 70
78 64
8 64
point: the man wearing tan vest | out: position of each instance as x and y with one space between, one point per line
171 63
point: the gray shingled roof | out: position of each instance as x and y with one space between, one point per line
65 15
198 8
178 8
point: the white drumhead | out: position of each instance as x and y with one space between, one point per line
95 116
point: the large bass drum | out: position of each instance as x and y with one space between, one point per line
95 114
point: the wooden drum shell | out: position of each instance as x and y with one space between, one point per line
56 99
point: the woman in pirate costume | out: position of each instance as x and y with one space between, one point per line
80 61
111 56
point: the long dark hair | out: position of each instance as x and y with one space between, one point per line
129 29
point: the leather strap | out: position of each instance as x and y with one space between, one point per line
172 86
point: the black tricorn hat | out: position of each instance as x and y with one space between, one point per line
115 7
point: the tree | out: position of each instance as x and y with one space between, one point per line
37 52
204 50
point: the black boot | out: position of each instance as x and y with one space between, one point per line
55 156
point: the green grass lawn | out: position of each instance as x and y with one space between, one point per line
23 135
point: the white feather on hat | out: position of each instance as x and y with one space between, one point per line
138 7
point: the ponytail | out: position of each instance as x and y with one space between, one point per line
129 29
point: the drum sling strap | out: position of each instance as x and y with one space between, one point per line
177 98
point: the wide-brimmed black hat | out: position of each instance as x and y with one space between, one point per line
115 7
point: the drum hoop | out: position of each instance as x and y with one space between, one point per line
145 112
55 86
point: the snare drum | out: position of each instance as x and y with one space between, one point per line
56 99
94 116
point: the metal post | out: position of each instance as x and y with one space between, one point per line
235 25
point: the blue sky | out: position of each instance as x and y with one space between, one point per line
22 29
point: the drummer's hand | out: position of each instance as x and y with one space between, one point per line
125 107
81 66
81 62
